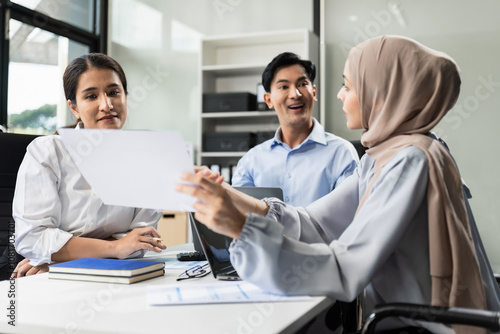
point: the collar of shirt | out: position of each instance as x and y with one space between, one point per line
317 135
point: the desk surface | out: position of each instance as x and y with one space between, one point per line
43 305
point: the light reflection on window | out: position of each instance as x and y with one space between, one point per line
36 102
75 12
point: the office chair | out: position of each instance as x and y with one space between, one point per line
12 153
448 315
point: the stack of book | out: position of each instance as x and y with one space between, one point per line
107 270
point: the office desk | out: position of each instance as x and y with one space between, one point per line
46 305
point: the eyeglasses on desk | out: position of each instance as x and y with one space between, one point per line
195 272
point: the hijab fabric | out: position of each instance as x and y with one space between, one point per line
404 89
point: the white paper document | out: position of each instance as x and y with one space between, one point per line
227 292
133 168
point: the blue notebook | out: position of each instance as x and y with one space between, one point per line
106 267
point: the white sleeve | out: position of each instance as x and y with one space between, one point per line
145 217
263 256
36 205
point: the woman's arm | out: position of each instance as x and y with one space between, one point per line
246 203
325 219
37 206
78 247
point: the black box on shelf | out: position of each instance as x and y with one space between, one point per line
217 102
228 141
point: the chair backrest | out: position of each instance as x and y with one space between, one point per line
12 151
437 314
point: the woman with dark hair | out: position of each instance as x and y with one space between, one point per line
399 230
58 216
80 65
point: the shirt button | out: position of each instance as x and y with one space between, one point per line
287 199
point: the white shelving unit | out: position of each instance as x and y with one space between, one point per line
235 64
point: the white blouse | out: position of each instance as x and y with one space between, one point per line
381 253
53 202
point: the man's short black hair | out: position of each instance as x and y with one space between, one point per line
286 59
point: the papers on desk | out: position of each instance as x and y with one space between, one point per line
130 167
225 292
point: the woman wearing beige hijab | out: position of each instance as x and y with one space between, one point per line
399 229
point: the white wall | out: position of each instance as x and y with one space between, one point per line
156 42
161 37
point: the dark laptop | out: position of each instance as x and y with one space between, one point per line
215 246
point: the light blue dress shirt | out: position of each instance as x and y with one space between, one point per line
305 173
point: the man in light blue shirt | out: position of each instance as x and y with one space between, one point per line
302 159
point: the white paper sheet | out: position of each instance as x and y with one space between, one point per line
132 168
227 292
